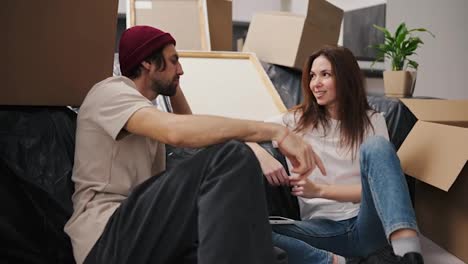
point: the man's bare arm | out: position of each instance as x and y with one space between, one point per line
204 130
198 130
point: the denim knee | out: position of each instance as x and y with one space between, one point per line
374 145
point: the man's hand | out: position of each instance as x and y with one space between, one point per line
302 156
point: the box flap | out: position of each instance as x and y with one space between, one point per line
321 11
288 32
191 32
435 153
440 111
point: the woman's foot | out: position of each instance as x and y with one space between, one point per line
412 258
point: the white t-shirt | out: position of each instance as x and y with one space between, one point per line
109 162
340 167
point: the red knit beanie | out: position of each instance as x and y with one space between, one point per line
137 43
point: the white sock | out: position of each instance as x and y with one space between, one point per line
404 245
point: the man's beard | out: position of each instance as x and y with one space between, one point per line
164 88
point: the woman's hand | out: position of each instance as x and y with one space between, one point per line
271 168
306 188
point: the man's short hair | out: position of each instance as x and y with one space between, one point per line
157 57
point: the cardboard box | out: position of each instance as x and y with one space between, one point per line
287 39
436 153
54 52
195 24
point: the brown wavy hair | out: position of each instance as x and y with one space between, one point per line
352 105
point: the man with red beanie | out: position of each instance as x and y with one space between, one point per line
129 209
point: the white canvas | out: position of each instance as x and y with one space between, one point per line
230 85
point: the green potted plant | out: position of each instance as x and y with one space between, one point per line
398 48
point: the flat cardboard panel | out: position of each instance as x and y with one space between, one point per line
434 153
195 24
443 216
220 24
286 46
189 27
435 110
54 52
228 84
286 27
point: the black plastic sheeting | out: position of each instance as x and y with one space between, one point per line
36 158
400 120
287 82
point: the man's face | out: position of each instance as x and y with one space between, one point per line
166 82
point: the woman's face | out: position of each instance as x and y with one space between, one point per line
322 84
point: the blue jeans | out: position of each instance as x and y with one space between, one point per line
385 208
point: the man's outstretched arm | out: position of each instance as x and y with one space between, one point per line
204 130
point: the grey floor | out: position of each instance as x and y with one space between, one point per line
433 254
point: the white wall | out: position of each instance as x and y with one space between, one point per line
122 6
442 61
243 10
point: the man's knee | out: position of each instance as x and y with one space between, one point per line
238 159
236 151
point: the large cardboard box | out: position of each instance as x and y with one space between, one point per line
195 24
288 39
53 52
436 152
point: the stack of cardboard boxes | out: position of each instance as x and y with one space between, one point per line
436 152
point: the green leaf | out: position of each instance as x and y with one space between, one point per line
400 28
422 30
385 31
412 45
413 64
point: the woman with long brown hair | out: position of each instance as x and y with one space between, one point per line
362 204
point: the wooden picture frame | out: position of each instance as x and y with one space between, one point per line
228 84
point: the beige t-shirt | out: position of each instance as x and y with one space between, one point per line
109 162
